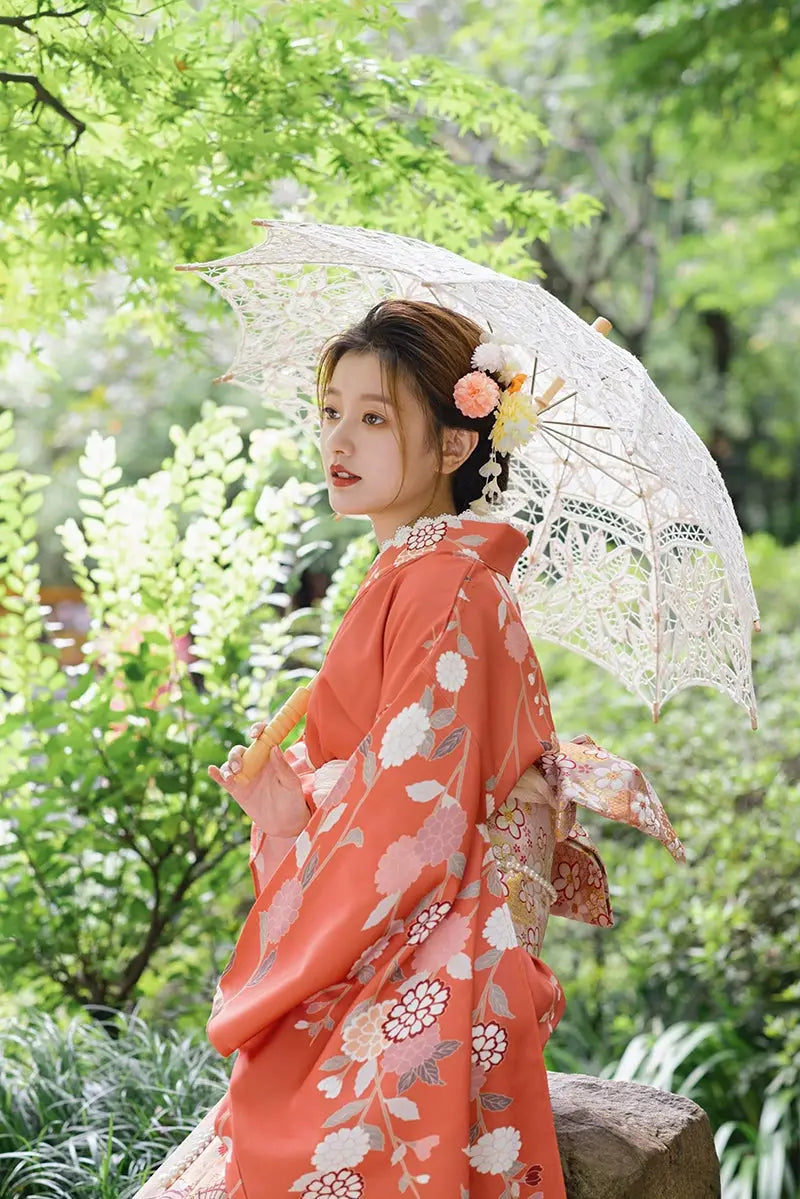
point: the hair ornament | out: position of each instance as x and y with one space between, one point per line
478 393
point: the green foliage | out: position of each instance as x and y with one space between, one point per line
679 117
90 1113
114 843
696 986
136 137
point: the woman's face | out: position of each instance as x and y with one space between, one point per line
360 431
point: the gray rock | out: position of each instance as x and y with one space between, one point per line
622 1140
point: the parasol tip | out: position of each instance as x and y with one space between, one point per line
602 325
753 720
756 626
656 711
226 378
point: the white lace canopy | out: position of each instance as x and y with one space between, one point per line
636 558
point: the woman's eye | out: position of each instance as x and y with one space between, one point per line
377 416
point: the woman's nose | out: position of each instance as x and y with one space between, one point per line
340 434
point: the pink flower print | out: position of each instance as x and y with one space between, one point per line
448 939
425 1147
402 1056
517 640
335 1184
510 819
399 866
489 1044
368 956
425 535
594 875
420 1007
644 812
568 881
576 908
476 1080
426 922
282 912
441 834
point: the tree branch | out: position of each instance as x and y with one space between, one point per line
43 96
21 22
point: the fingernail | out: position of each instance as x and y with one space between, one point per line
235 765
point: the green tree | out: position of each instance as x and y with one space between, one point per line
114 843
139 136
680 119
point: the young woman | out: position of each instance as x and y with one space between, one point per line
388 1024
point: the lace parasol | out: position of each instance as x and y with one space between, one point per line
636 558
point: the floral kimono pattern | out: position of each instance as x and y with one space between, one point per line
389 1025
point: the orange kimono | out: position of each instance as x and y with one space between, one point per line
389 1025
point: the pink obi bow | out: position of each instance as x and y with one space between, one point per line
536 837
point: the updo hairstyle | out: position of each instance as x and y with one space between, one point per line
429 348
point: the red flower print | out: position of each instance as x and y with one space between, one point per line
426 922
420 1007
489 1044
510 819
336 1184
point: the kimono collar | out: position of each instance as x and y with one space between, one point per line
498 543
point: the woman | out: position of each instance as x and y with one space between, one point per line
389 1026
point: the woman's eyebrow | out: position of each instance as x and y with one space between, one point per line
370 396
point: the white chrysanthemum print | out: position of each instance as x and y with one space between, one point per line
451 671
420 1007
425 535
404 735
499 929
335 1184
495 1152
345 1147
489 1044
426 922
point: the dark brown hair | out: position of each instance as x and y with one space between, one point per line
429 348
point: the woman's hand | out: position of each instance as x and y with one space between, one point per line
273 798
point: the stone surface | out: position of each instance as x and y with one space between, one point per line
622 1140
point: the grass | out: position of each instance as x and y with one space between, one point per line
90 1107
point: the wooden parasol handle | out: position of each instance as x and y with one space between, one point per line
282 723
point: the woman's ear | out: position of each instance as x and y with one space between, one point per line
457 446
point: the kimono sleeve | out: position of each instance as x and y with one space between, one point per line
406 818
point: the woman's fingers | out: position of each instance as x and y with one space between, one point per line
234 762
226 773
256 729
